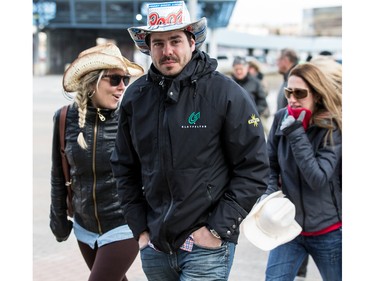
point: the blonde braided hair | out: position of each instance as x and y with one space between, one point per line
86 90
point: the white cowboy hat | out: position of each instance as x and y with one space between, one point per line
271 222
106 56
168 16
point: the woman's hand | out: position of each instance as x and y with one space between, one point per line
290 120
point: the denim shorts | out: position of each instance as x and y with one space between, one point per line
122 232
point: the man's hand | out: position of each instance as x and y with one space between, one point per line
204 237
144 238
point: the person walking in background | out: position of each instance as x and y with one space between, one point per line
305 151
254 70
286 61
99 77
253 87
190 157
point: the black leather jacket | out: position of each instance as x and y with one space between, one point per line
95 200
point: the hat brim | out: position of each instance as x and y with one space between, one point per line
94 61
259 205
263 240
197 28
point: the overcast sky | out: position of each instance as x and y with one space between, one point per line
275 11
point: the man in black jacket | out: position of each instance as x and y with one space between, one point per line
190 158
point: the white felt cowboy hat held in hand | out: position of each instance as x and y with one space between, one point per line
271 222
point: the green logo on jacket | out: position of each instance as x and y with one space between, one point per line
194 117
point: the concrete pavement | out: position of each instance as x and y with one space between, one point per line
53 261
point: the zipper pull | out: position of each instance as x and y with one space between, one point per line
101 116
161 83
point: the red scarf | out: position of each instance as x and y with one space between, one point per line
295 112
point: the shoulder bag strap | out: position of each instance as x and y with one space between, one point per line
65 163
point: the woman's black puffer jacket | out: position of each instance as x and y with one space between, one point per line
95 200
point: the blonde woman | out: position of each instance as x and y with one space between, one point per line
305 154
99 77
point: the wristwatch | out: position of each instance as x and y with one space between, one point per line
214 233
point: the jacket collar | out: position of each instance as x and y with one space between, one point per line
108 113
199 65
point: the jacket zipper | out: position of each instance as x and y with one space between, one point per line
102 118
163 148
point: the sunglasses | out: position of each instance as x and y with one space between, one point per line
297 93
115 79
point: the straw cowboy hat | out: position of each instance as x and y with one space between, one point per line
271 222
168 16
106 56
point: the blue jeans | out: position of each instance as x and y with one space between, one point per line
326 251
203 264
